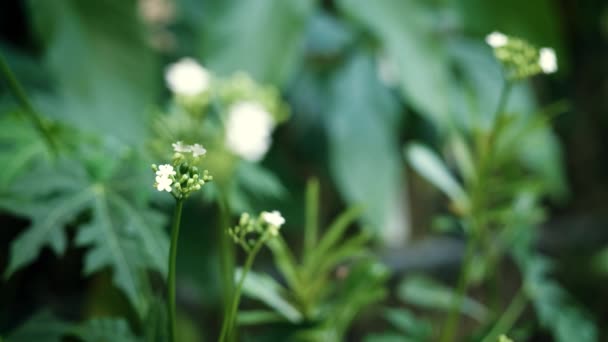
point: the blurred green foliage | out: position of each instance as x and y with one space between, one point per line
361 79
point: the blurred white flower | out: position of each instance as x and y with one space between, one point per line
248 129
197 150
274 219
181 147
496 39
187 77
163 183
165 170
547 60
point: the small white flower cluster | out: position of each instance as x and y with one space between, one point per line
251 231
197 150
181 177
525 59
248 130
187 77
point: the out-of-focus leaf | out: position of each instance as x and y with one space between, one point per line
427 293
555 308
388 337
105 73
407 31
430 166
363 147
409 324
327 36
103 330
42 327
255 317
264 288
265 37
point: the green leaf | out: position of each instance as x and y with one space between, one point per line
257 317
432 168
407 32
42 327
362 124
388 337
427 293
264 288
105 73
266 37
103 330
404 320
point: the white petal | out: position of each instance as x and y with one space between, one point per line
497 39
187 77
248 130
547 60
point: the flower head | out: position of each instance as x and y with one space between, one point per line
165 170
248 130
497 39
274 218
187 77
197 150
547 60
163 183
180 147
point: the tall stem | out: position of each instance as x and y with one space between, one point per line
449 328
508 318
19 94
226 250
477 226
228 325
171 310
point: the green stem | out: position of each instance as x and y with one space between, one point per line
508 318
228 324
449 327
226 249
19 94
171 279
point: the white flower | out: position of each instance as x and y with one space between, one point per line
274 219
163 183
180 147
165 171
496 39
197 150
248 129
187 77
547 60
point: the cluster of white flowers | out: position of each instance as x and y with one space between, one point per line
197 150
248 130
187 77
274 219
547 60
497 39
164 177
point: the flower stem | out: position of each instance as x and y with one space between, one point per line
228 325
171 279
449 328
226 250
508 318
37 120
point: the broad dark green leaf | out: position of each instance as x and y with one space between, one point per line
362 123
42 327
263 38
104 330
105 73
407 31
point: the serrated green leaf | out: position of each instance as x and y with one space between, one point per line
47 229
111 247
